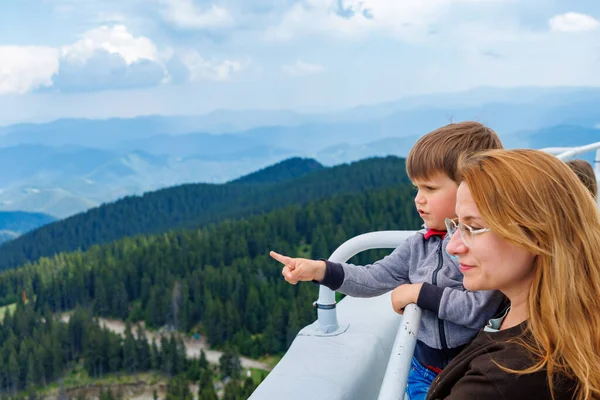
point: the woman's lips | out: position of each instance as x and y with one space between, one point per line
465 267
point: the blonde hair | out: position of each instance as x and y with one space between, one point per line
535 201
586 175
441 149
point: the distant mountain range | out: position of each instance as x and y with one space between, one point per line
68 166
14 224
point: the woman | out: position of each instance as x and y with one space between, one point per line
528 228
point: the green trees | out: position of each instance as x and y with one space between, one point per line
208 278
218 281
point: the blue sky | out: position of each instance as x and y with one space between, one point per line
85 58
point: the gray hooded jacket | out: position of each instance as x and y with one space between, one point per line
451 316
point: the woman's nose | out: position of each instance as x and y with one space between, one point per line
456 246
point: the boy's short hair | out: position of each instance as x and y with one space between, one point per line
441 149
586 175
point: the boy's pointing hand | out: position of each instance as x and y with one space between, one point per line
300 269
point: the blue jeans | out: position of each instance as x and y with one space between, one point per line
419 380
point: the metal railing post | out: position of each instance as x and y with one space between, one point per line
396 374
325 304
326 312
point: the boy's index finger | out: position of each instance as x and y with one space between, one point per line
285 260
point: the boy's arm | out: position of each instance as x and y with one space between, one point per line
373 279
460 306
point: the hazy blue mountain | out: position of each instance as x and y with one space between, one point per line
16 223
65 180
106 133
67 166
84 132
507 110
6 236
345 152
564 136
20 221
221 121
192 144
474 98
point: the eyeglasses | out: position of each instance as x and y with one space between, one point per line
466 232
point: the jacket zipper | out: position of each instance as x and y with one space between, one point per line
434 282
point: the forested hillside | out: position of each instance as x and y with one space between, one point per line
195 205
218 279
37 349
288 169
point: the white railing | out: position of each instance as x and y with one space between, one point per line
399 363
347 362
325 304
568 153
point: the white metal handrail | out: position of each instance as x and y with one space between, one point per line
288 378
575 151
396 374
326 312
399 363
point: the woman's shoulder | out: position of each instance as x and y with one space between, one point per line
515 355
481 370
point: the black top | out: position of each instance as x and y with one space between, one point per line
474 375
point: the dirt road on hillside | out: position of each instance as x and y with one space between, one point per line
192 346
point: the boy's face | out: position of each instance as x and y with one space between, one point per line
436 200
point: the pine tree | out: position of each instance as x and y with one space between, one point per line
230 365
203 362
31 379
206 388
13 371
129 351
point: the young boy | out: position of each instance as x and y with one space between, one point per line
419 270
586 175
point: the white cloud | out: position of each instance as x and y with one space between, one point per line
114 40
301 68
104 58
186 15
408 19
201 68
26 68
107 71
573 22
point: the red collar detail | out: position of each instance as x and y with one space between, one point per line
433 232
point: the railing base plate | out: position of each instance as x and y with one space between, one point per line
315 330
